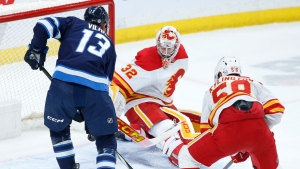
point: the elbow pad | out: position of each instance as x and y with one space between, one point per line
273 119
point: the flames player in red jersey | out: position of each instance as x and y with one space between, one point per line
236 119
148 83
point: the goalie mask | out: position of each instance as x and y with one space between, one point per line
98 16
167 44
227 65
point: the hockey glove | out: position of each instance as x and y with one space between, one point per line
36 57
240 157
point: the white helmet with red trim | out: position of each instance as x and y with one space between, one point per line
228 65
167 43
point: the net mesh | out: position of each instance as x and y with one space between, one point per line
17 81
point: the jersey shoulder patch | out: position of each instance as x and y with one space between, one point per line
148 59
181 53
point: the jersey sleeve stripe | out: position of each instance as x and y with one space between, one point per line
273 106
118 80
271 102
56 22
47 26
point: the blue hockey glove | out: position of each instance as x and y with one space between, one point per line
36 57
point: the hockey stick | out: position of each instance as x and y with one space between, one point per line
118 154
142 140
46 73
228 164
123 160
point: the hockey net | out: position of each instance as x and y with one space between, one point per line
17 81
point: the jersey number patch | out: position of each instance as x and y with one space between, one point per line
87 34
235 86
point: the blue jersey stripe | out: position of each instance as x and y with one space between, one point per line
69 75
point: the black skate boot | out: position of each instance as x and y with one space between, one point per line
76 166
121 136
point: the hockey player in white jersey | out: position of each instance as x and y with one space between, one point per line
147 85
237 114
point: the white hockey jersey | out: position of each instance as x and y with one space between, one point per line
229 89
145 80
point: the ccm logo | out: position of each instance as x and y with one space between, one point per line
55 120
186 127
130 131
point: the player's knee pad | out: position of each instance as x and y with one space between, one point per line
185 160
106 158
57 137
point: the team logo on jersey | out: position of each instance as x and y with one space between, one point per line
171 83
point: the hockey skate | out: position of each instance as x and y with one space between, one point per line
76 166
121 136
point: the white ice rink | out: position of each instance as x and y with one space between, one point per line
269 53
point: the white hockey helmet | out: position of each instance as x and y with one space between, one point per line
167 42
227 65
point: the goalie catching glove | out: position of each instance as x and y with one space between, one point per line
36 57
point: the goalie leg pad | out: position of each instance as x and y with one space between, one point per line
195 118
171 147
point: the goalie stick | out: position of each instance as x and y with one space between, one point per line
132 133
142 140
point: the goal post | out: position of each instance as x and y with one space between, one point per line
64 8
17 81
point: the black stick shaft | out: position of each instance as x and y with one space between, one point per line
124 161
46 73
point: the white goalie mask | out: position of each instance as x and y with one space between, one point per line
226 66
167 43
